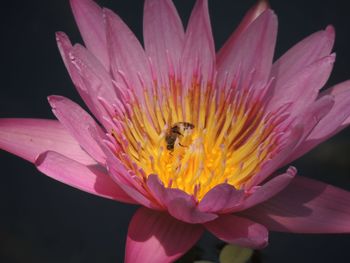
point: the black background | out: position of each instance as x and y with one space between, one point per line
42 220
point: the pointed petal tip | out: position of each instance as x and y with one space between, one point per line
263 4
332 57
108 14
291 171
328 60
330 30
271 13
88 16
163 35
106 10
63 42
329 33
60 34
260 7
54 98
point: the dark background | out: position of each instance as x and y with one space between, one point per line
42 220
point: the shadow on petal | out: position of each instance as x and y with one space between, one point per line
305 206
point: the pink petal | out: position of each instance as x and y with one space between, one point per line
303 88
91 179
185 210
303 125
97 80
89 18
305 206
128 59
27 138
65 48
303 54
163 36
158 238
179 204
249 17
309 120
332 123
128 182
293 138
251 52
312 116
221 197
269 189
77 121
239 231
198 57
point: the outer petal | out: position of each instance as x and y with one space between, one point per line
312 115
305 206
221 197
91 179
65 48
27 138
309 120
303 88
249 17
239 231
163 36
304 53
89 18
158 238
128 60
77 122
97 80
266 191
179 204
332 123
226 199
185 210
253 51
198 58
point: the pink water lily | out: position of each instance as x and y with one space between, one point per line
192 136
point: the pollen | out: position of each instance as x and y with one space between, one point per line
197 137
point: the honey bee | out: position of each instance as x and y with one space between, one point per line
177 130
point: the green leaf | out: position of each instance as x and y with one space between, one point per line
235 254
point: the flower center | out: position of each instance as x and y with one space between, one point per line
196 138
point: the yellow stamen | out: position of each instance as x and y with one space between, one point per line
230 138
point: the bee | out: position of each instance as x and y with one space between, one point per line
177 130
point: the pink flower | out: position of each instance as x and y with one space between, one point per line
192 136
